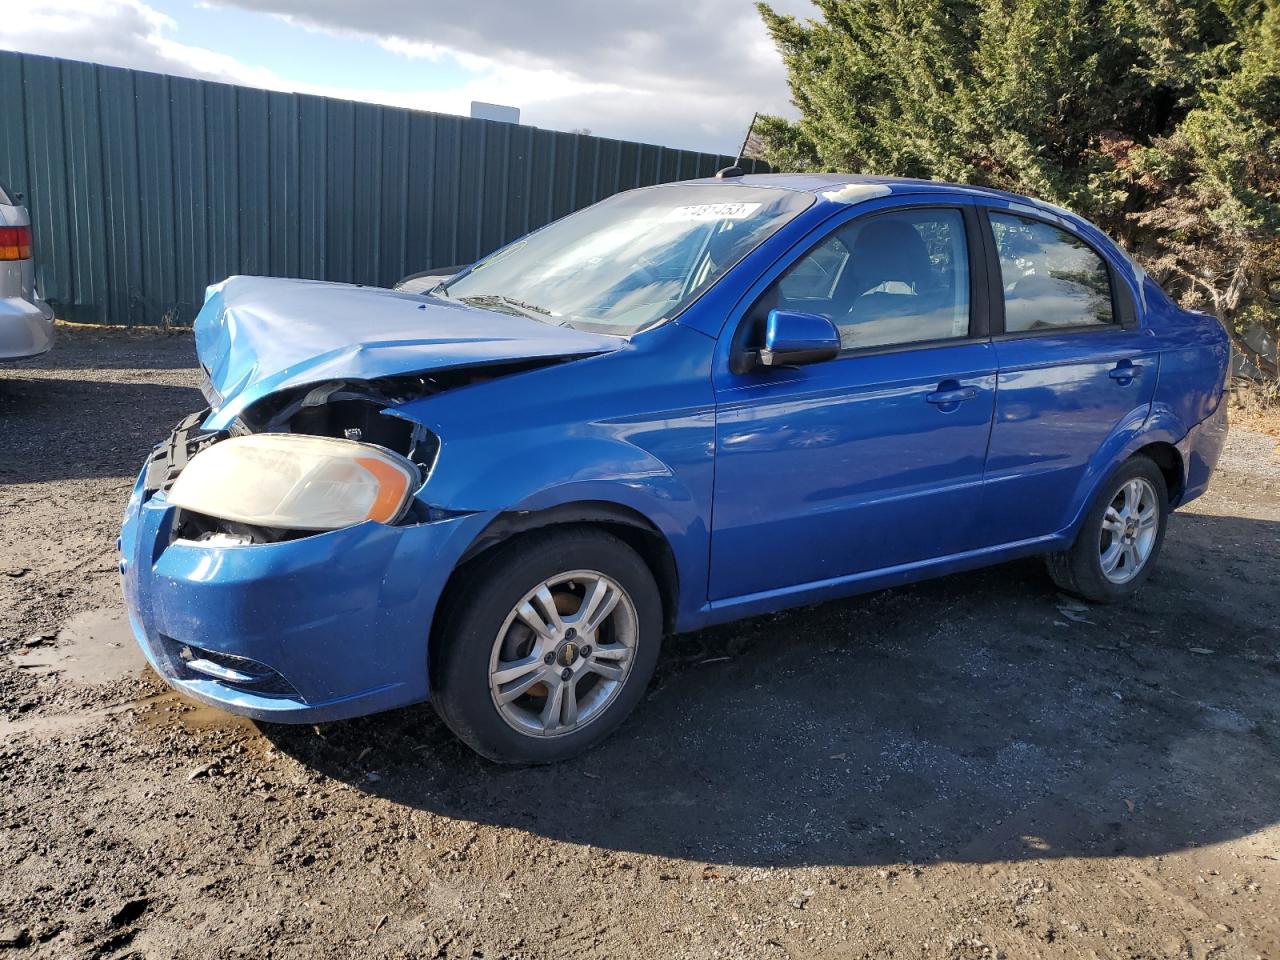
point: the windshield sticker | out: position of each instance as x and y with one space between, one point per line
713 211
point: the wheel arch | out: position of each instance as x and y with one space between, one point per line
1157 437
626 523
1166 456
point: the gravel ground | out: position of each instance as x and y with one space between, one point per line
971 767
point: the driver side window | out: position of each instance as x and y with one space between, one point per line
894 278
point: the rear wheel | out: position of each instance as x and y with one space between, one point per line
1120 538
548 647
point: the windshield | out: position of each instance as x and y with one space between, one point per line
630 261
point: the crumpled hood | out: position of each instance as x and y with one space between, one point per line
257 335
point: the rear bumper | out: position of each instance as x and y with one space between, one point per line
334 625
26 328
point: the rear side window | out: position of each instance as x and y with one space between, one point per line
893 278
1052 279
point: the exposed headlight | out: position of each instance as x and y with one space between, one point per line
296 482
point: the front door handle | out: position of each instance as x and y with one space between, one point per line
951 397
1124 372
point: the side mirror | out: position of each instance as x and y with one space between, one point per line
794 338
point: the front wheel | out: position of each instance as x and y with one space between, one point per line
548 646
1120 538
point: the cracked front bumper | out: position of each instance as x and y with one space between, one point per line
334 625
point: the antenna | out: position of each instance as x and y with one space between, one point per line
736 170
747 139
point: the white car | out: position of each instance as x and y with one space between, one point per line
26 321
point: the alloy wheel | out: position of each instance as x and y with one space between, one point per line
1129 527
563 653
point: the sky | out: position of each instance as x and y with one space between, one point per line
681 73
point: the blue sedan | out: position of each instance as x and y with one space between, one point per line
684 405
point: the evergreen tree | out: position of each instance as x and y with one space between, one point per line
1158 120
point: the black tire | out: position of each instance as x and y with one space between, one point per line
1079 569
490 589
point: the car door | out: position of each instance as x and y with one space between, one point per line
1075 368
873 459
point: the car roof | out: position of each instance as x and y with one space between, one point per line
828 186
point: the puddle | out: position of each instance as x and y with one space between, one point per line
159 711
94 647
169 708
97 647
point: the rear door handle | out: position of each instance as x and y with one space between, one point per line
944 398
1124 372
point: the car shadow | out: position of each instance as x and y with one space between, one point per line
975 718
43 440
116 348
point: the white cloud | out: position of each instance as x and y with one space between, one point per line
665 71
413 49
125 33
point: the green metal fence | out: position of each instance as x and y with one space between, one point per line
145 188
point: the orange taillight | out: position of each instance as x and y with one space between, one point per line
15 243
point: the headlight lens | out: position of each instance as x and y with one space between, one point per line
296 482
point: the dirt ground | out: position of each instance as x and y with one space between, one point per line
972 767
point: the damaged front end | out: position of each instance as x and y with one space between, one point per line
309 359
278 557
361 412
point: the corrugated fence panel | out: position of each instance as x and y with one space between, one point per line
145 188
190 191
83 145
444 188
222 159
282 183
254 169
419 213
47 151
313 134
393 211
155 183
13 123
340 121
365 191
122 224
